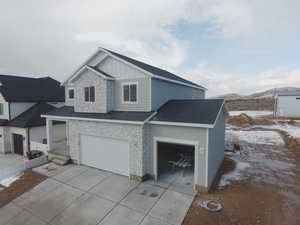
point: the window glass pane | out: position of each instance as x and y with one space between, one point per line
133 93
92 94
126 93
1 109
71 93
86 94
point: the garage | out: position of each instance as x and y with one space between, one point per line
105 153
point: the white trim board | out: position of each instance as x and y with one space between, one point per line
182 124
65 118
137 92
86 67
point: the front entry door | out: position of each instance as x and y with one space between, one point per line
18 144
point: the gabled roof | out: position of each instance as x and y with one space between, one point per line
202 112
68 112
101 71
31 117
153 70
27 89
289 93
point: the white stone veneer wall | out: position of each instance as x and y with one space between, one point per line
126 132
88 79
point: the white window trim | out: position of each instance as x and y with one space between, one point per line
137 93
69 93
89 87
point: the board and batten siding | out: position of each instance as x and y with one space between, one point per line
198 135
216 147
123 74
163 91
288 106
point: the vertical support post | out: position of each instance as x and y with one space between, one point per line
49 127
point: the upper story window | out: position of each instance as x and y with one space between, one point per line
1 109
71 93
89 94
130 93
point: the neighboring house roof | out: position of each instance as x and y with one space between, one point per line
31 117
68 111
198 112
289 93
26 89
152 69
3 122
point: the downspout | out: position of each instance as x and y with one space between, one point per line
9 116
28 139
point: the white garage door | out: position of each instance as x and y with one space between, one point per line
105 153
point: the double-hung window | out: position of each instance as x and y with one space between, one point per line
130 93
89 94
71 93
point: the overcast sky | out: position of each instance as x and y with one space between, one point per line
228 46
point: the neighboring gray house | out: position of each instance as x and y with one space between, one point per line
131 118
287 104
22 101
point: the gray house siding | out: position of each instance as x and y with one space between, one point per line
198 135
216 147
143 95
125 74
162 91
126 132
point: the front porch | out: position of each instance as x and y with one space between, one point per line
57 145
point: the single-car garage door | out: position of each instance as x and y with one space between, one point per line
105 153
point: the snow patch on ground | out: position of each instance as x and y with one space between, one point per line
8 181
234 175
255 137
251 113
292 130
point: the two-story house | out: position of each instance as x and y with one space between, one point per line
134 119
22 101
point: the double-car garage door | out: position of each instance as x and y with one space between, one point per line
105 153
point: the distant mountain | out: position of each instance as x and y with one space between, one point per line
264 94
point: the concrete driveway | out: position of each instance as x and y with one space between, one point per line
10 160
77 195
10 164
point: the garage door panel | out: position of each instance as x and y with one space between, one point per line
105 153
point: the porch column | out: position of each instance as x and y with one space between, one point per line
49 127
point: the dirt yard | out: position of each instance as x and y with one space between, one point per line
25 183
261 184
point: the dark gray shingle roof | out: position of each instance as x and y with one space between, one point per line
31 117
101 71
154 70
68 111
203 111
26 89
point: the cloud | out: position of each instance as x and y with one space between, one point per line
53 37
220 83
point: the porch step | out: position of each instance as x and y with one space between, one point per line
60 162
58 158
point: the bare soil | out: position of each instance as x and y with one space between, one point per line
26 182
267 195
